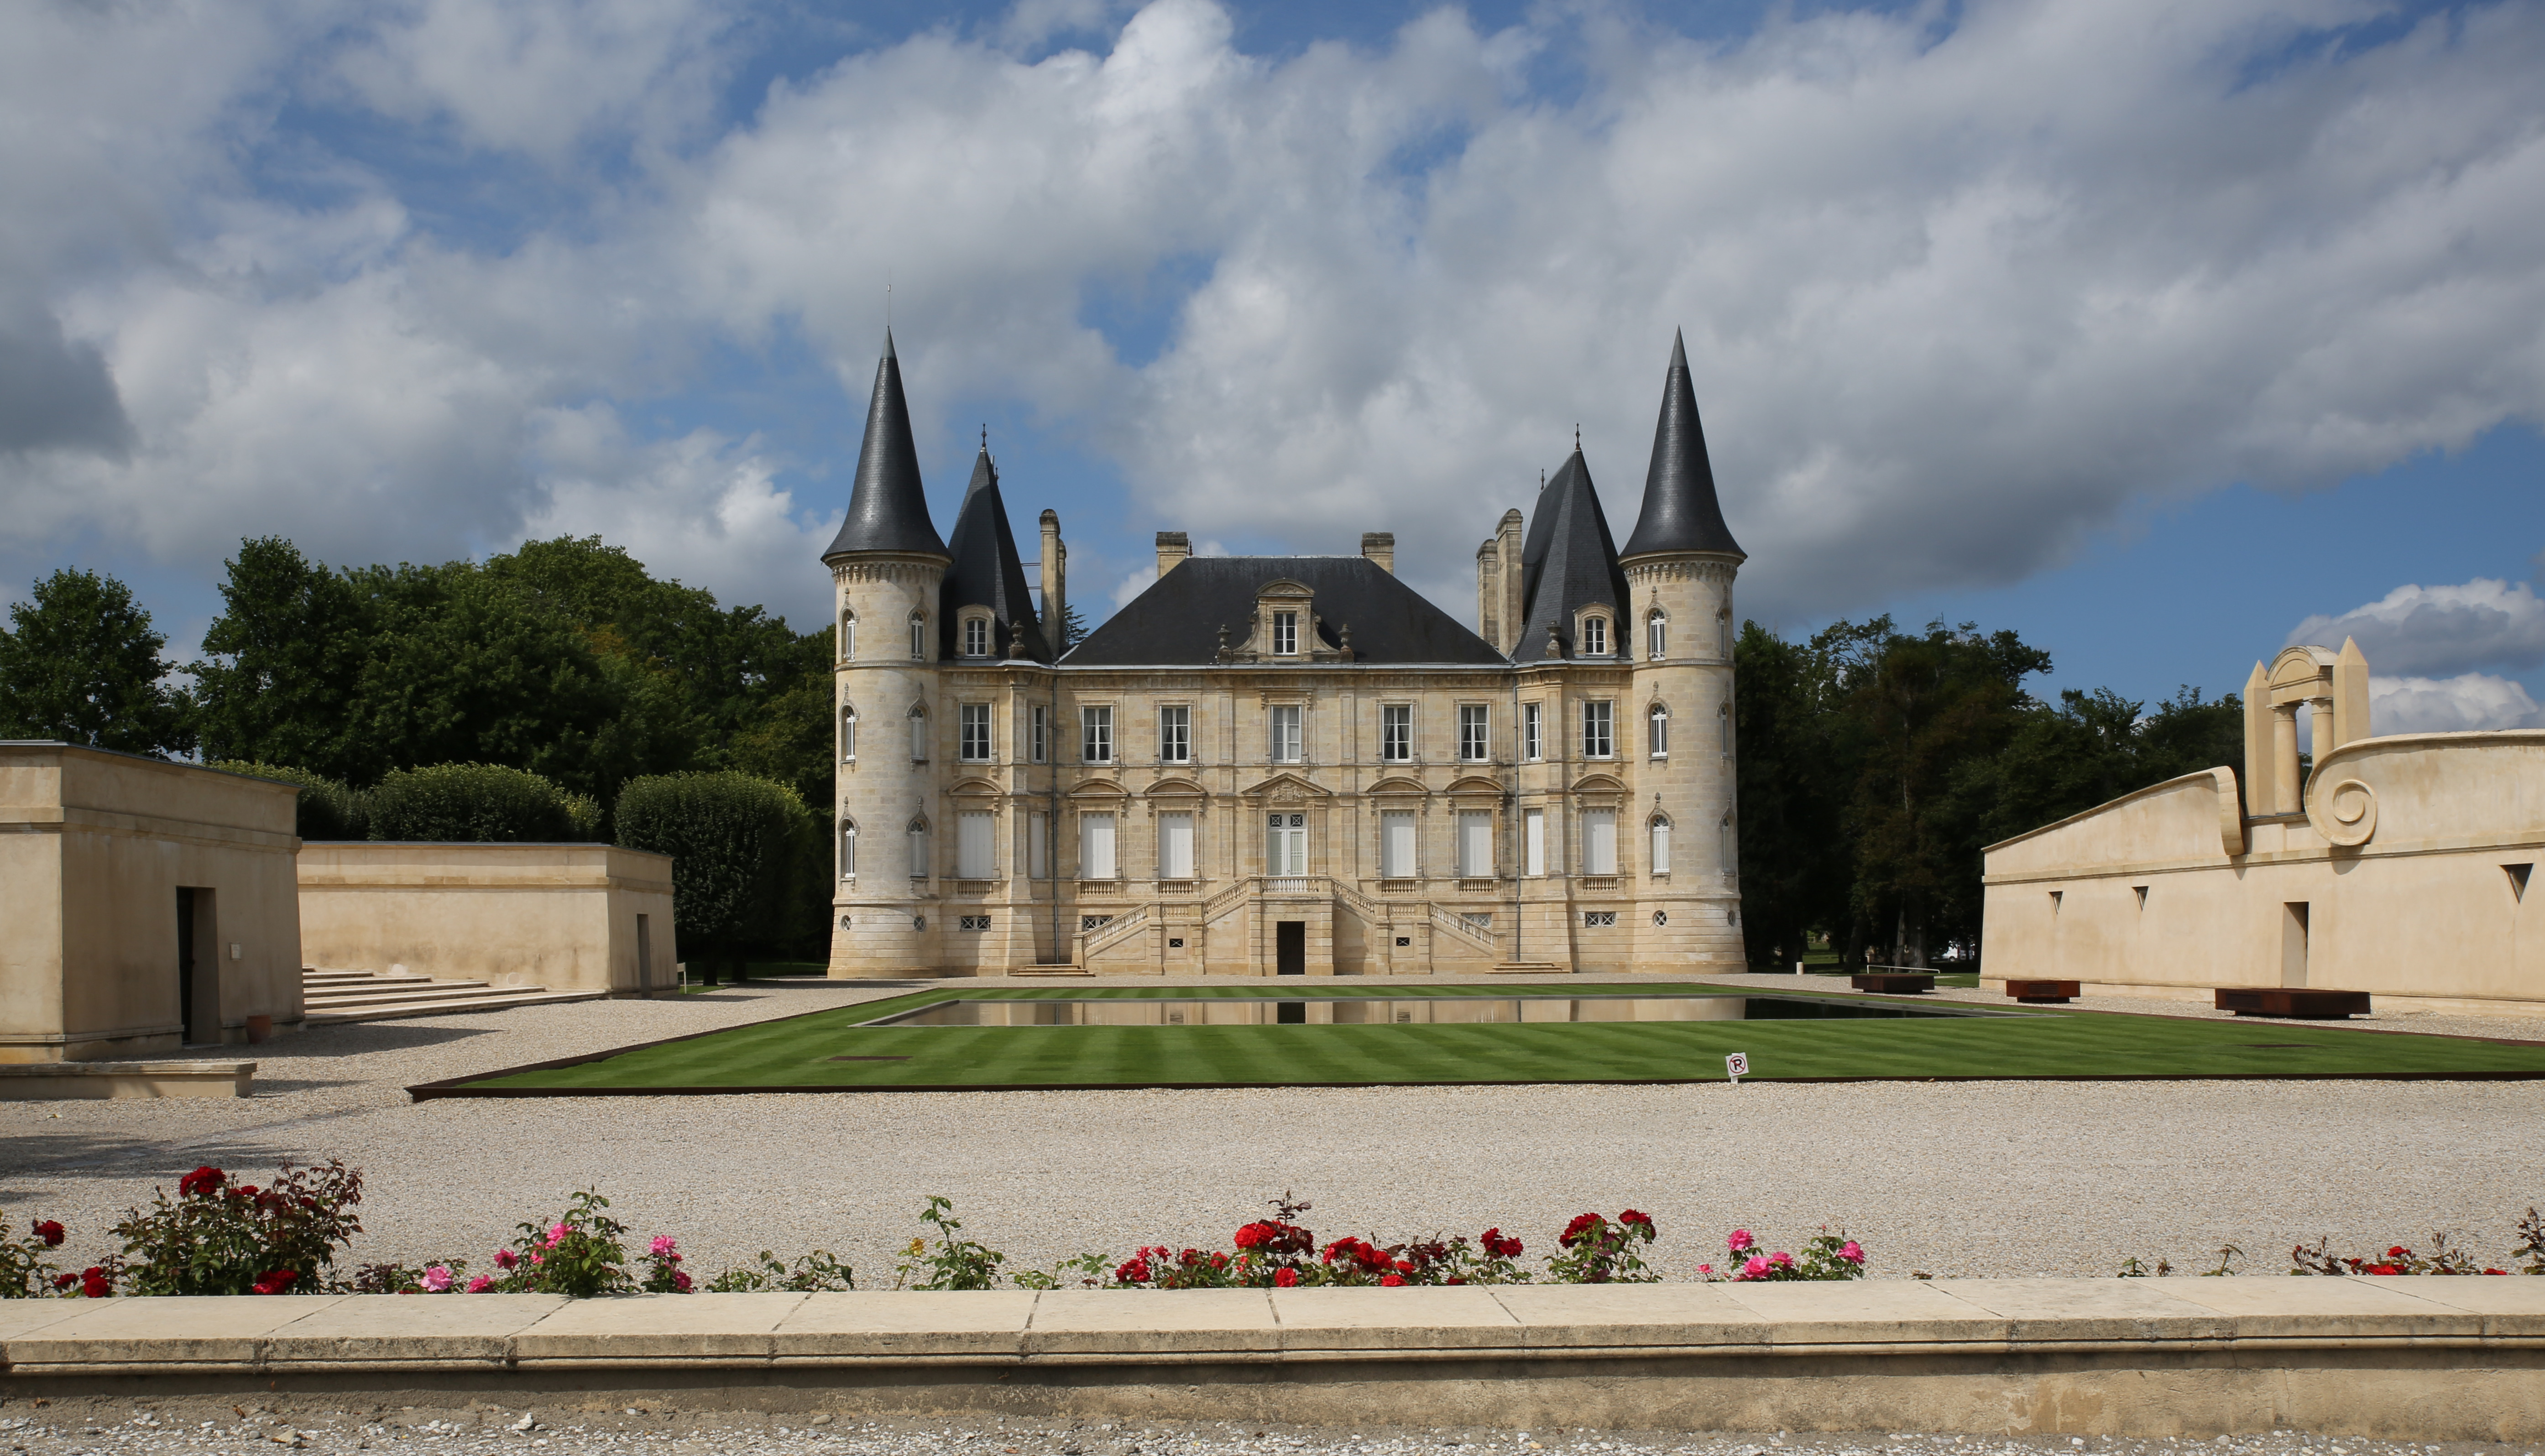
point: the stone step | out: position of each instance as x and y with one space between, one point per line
442 990
489 1001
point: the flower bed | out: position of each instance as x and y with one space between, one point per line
219 1236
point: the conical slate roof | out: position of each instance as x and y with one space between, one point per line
1574 565
888 508
1681 512
987 572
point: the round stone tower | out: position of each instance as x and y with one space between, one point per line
1679 565
887 568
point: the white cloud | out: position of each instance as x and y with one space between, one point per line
2432 631
1951 298
2462 703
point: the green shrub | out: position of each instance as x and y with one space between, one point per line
739 845
474 804
328 808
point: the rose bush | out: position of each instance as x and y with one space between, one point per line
1825 1255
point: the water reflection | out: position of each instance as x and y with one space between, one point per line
1422 1010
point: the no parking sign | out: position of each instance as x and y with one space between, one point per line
1737 1066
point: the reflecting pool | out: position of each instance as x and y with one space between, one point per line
1434 1010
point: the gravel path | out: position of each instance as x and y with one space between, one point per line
1972 1178
180 1427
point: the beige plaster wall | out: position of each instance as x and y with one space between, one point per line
558 915
2404 861
94 846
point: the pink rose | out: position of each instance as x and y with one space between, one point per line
437 1279
1782 1260
482 1283
663 1244
1753 1268
1705 1268
1738 1241
1849 1252
679 1281
505 1258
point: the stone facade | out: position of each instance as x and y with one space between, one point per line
2399 865
1289 765
564 917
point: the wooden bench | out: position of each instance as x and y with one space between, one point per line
1893 983
2043 993
2291 1001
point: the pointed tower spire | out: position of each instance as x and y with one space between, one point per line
988 573
888 508
1569 563
1680 512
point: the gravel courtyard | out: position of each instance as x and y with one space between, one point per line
1967 1178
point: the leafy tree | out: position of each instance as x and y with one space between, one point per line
327 808
1794 866
83 666
739 847
283 666
472 803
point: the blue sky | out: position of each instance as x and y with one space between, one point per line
2158 332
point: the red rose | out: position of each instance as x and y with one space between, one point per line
1285 1278
1393 1282
275 1282
1251 1236
1633 1216
1580 1222
65 1281
94 1283
2398 1250
200 1182
50 1232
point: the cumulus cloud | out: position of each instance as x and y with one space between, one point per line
1952 294
2458 704
2432 631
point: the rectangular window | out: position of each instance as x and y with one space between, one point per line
1175 847
1532 742
1285 633
916 838
1475 843
1599 730
973 736
1038 733
848 851
1175 735
1657 732
1096 847
1039 845
1285 733
919 734
917 637
1600 842
848 735
1661 847
1475 744
1095 735
1395 733
1286 852
973 922
976 637
1396 844
973 857
1533 836
1594 636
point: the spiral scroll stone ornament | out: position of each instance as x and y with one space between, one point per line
2348 814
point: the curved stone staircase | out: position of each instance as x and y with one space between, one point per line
333 996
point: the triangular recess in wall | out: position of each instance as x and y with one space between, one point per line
2518 879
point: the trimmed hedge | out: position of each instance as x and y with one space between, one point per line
328 809
740 848
478 804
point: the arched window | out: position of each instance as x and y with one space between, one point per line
917 835
1594 636
1730 848
848 734
1723 721
1660 827
919 734
848 635
848 848
976 636
1657 731
1723 632
919 637
1657 636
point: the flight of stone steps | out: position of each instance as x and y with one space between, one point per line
332 996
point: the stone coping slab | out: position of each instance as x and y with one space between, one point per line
1148 1326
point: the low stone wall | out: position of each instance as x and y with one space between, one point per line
51 1081
563 917
2411 1358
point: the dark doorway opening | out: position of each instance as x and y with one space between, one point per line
1290 1013
1291 948
199 968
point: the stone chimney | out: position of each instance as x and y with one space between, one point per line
1173 547
1380 546
1055 580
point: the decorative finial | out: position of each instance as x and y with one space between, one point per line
985 436
1577 437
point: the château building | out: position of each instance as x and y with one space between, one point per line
1287 764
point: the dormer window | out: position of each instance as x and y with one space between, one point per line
1594 636
1286 634
976 636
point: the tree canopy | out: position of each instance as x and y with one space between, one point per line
81 663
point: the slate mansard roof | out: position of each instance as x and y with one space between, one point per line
987 572
888 508
1176 622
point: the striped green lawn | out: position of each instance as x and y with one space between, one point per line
798 1051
